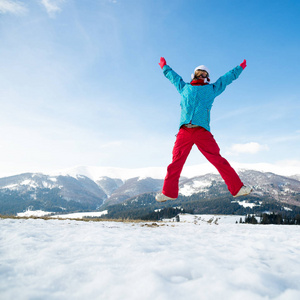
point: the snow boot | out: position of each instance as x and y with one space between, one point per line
245 190
160 197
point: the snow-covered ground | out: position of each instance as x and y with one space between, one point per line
41 213
201 257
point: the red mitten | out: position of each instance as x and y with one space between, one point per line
243 64
162 62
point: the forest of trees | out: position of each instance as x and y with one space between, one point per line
273 218
165 213
145 207
12 202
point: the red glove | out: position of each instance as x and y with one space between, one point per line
243 64
162 62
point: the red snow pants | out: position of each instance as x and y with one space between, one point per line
207 145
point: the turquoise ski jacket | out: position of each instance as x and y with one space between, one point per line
196 101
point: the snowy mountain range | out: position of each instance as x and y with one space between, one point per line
87 188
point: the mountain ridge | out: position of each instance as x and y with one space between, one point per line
94 172
75 192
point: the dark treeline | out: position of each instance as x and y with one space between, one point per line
145 207
274 218
165 213
12 202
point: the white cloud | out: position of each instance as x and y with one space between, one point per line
52 6
13 7
248 148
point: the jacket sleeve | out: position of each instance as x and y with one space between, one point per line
174 78
220 85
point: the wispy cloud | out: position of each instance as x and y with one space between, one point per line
12 7
248 148
52 6
286 138
111 144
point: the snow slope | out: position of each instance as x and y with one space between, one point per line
78 215
192 259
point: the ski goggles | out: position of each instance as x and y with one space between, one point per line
203 73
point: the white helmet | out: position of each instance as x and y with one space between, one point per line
203 68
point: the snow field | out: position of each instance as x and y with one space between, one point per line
192 259
41 213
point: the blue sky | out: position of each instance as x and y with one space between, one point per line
80 82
